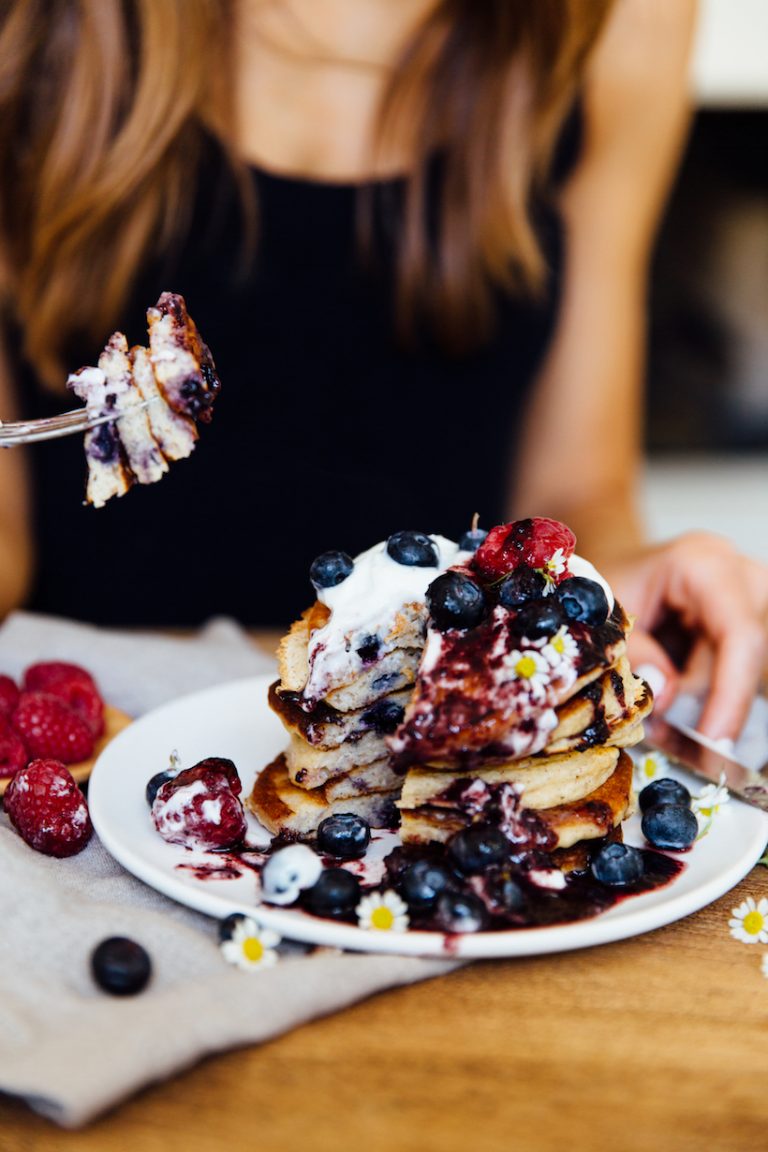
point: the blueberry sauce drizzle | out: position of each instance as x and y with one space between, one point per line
581 897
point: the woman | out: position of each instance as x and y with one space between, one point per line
414 234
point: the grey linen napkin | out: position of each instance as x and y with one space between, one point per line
67 1048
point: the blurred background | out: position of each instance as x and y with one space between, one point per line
707 416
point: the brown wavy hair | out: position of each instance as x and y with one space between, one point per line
105 106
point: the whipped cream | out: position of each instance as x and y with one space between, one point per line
578 566
90 385
171 814
364 609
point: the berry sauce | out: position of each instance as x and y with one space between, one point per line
580 897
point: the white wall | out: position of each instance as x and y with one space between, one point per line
730 59
724 494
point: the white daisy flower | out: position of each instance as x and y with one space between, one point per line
556 563
649 766
553 568
710 799
749 921
530 667
383 911
764 965
250 946
561 648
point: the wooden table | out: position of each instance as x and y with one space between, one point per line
655 1043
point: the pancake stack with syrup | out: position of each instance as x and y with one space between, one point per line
347 669
524 701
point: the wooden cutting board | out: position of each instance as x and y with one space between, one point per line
114 722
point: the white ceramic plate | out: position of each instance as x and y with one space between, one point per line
233 720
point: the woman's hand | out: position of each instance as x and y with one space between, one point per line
721 600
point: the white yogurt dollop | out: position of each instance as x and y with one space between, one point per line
289 871
578 566
365 605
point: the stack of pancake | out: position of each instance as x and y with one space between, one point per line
457 725
542 757
346 668
579 787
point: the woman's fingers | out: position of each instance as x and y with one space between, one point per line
722 599
723 609
649 660
736 673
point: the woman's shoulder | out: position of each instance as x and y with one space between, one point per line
636 105
643 51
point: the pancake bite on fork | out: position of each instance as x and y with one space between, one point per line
153 397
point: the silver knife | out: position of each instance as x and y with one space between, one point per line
706 762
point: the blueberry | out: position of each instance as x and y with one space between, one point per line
583 600
664 791
414 549
330 568
539 618
228 925
384 716
618 865
671 826
344 835
459 912
368 649
471 540
155 784
506 891
475 848
455 601
120 966
520 586
422 883
104 445
336 893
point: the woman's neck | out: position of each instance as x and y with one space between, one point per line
309 79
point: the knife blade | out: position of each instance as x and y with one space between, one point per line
705 761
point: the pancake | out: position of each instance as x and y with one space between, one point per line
468 701
325 727
313 767
286 810
562 825
543 781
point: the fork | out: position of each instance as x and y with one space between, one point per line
79 420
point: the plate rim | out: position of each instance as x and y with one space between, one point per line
641 913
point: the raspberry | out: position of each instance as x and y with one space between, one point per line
532 542
9 695
13 750
73 685
50 729
200 807
39 677
47 809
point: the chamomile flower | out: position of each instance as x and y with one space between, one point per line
529 667
383 911
561 648
649 766
553 568
248 945
749 921
708 803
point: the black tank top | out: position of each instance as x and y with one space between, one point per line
327 433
